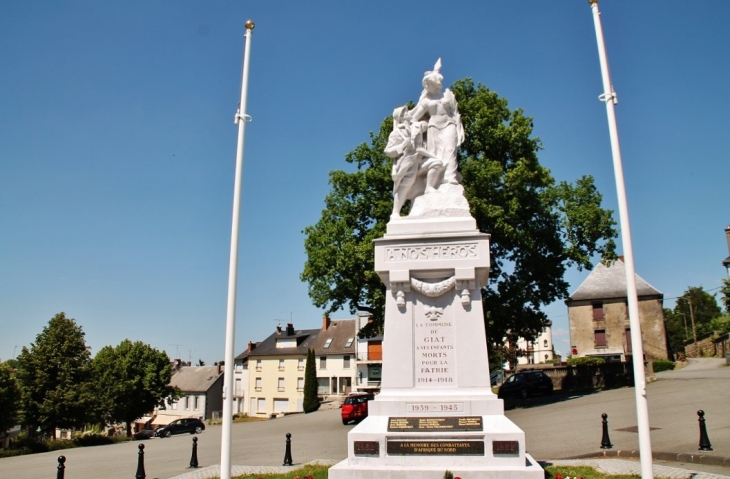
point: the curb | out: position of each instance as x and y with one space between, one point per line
664 456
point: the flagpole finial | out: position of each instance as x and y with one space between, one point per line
593 2
249 24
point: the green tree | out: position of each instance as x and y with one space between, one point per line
9 398
539 227
53 375
311 402
130 380
677 331
725 291
697 304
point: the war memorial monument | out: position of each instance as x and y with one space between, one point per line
436 410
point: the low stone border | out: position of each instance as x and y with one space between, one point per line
664 456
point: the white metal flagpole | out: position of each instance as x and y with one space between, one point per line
642 411
241 119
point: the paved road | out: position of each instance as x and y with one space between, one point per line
557 427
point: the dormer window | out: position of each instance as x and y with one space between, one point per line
327 343
349 342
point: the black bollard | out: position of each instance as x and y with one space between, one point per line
287 455
704 440
61 467
605 440
140 463
194 457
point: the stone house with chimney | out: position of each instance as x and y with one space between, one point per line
599 319
202 389
334 350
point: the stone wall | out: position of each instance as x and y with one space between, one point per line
609 375
709 347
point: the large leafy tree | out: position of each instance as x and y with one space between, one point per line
698 305
725 291
130 380
538 227
53 375
9 398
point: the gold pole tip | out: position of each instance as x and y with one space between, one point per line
249 24
592 2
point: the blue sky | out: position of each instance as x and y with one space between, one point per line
117 144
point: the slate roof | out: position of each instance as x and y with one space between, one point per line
340 331
195 378
305 340
610 283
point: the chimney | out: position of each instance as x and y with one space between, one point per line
289 329
621 258
219 368
325 322
278 329
727 235
251 346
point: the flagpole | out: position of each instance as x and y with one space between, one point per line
241 119
642 411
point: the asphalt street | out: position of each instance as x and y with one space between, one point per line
556 427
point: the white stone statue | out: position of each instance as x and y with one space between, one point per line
423 145
445 131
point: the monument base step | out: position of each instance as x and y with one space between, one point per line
343 470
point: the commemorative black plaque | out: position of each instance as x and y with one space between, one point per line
367 448
505 448
454 447
435 424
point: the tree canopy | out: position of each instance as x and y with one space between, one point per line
697 304
53 376
130 380
9 398
538 227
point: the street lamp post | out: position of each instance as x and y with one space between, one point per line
642 411
241 119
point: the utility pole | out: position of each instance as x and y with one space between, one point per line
692 317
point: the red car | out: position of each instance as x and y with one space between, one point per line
355 407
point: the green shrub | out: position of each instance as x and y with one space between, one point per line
448 474
58 444
25 442
586 361
15 452
662 365
93 440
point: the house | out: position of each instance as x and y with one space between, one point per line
334 350
202 394
276 371
369 359
538 351
599 319
241 380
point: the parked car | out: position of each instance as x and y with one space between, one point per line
181 426
355 407
526 383
146 433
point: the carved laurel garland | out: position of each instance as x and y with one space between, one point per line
433 290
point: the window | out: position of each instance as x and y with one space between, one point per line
323 362
281 365
187 402
327 343
258 365
281 384
349 342
346 361
628 341
258 384
598 311
195 402
300 364
545 343
600 338
300 384
173 406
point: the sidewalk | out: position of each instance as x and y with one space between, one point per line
608 466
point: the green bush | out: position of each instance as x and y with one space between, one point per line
58 444
662 365
15 452
586 361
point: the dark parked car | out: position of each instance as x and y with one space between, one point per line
355 407
524 384
146 433
181 426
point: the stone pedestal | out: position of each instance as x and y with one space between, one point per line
436 410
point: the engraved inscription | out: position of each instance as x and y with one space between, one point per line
434 352
435 448
427 253
366 448
505 448
435 424
435 407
